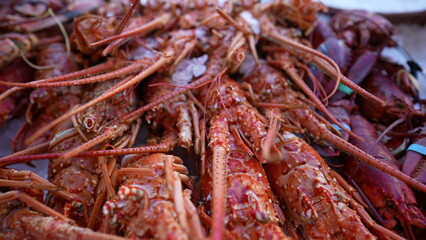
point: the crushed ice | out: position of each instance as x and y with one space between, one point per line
187 69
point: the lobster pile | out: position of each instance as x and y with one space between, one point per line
196 119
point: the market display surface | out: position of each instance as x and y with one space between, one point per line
207 119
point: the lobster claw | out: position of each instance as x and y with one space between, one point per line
394 200
415 159
321 32
399 103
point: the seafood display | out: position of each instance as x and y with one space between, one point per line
208 119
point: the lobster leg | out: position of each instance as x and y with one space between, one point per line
184 125
133 171
30 201
30 185
99 78
107 135
126 17
60 80
175 184
196 126
101 193
12 174
194 219
144 29
102 161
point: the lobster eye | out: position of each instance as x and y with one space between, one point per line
399 103
89 123
391 204
78 206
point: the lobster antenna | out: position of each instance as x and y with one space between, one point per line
35 66
67 45
63 31
411 77
394 124
126 17
9 92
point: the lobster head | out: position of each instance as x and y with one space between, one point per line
399 103
88 29
267 80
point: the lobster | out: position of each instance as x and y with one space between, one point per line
234 182
150 202
79 176
393 200
302 13
414 166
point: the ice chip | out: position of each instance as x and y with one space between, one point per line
251 21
